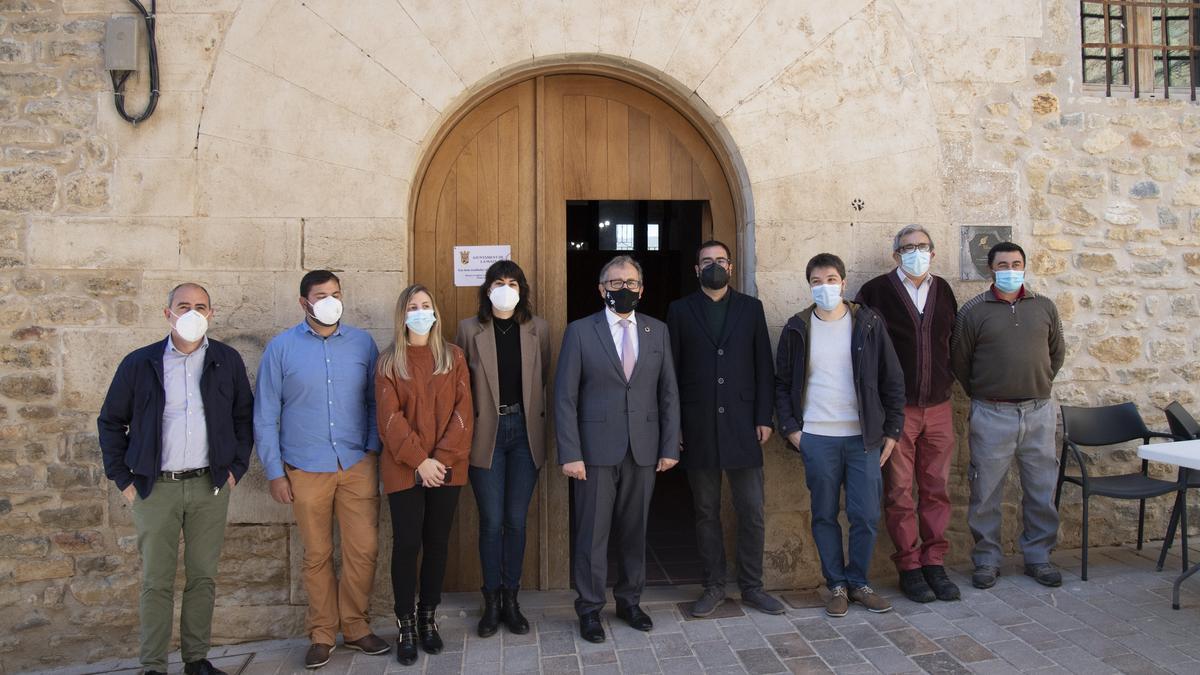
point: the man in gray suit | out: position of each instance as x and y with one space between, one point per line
617 417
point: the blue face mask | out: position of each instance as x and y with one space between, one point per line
827 296
420 321
916 263
1009 281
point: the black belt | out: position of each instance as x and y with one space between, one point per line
510 409
183 475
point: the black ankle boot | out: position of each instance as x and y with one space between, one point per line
510 612
427 630
489 622
406 642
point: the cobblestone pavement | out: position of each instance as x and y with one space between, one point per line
1120 620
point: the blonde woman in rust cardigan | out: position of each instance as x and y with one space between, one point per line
423 399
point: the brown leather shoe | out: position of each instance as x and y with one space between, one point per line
838 604
317 656
867 597
370 644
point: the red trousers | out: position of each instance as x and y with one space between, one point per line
923 457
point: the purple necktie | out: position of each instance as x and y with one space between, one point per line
627 356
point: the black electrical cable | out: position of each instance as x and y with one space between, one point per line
119 77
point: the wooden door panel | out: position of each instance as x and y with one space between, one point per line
638 153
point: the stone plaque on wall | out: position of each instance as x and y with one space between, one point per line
976 241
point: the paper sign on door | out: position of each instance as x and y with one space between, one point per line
471 262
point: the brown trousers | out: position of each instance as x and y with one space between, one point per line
352 496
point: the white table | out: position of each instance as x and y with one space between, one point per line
1187 455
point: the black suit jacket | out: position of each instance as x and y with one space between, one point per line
726 383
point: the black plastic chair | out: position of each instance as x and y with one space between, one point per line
1108 425
1184 428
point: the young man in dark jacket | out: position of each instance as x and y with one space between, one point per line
176 433
919 308
839 398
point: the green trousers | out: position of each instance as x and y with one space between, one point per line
187 506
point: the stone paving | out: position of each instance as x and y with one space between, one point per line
1119 621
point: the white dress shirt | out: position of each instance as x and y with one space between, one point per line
919 294
616 329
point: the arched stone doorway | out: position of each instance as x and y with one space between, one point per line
502 171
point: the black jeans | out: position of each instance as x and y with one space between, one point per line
420 517
747 488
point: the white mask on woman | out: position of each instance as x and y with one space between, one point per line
504 298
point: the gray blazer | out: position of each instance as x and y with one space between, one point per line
598 415
478 341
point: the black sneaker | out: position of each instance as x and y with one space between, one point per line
914 586
943 588
201 667
985 576
1045 574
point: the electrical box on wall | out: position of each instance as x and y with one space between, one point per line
120 43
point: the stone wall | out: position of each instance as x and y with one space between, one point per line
288 136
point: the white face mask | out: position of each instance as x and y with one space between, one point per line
191 325
504 298
827 296
327 311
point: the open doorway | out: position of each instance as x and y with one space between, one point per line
662 236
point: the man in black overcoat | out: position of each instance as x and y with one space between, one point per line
726 377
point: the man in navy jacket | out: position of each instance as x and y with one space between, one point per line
176 431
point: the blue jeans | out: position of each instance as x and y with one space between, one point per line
830 463
502 494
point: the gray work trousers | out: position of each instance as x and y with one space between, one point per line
1000 432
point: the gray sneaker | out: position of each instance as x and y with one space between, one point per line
708 603
762 601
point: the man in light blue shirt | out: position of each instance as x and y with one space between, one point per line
314 426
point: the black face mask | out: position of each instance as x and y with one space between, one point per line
623 301
714 276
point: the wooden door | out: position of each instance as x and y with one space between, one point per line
502 174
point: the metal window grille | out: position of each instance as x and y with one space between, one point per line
1147 46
